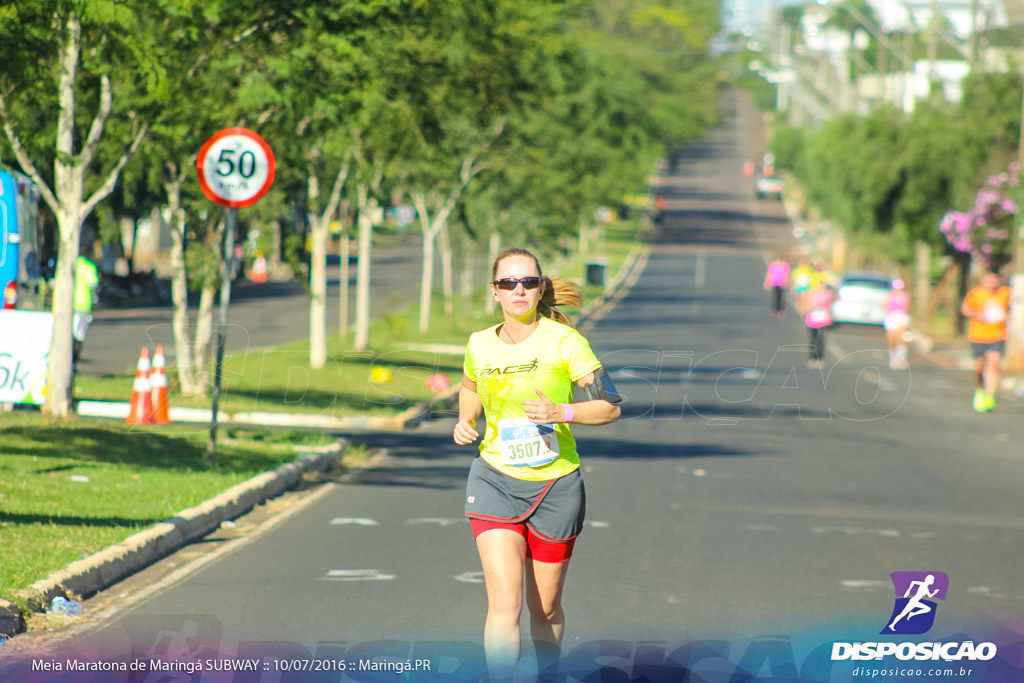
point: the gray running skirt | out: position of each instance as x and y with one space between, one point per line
554 509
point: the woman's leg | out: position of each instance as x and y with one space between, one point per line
502 556
544 583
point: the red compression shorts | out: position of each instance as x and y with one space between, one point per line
537 547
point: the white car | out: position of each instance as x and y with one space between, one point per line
860 299
768 186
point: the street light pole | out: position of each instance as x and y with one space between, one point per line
1015 333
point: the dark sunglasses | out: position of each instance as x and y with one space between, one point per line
509 283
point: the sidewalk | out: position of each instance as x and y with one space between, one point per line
97 572
952 356
948 355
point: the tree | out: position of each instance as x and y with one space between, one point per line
71 49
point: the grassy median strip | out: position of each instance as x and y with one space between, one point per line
384 380
69 491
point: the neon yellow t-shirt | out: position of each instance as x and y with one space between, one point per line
551 359
86 279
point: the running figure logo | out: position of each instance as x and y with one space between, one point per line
914 613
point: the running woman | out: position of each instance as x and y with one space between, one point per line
818 318
987 307
525 498
776 280
896 322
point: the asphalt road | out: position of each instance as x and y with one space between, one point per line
742 497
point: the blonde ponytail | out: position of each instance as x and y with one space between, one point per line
559 292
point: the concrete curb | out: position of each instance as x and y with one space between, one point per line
408 418
105 568
11 621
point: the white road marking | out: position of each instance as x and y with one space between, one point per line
357 575
987 592
470 577
597 525
359 521
440 521
856 531
865 583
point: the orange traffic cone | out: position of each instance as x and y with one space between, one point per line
159 382
259 270
141 411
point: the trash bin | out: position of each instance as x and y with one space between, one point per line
595 273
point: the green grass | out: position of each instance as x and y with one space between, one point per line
68 491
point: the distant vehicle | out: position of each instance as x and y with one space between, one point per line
860 298
768 186
20 274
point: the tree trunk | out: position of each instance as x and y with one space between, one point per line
431 227
921 276
426 281
204 317
129 232
367 205
343 287
320 224
466 279
318 294
964 261
58 386
447 274
493 249
274 262
179 290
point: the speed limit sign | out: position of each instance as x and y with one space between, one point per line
236 167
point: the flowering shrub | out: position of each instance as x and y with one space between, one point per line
986 231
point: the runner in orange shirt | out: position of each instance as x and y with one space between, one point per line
987 307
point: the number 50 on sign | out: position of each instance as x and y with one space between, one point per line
236 167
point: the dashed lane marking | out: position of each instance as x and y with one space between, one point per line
358 521
440 521
470 577
357 575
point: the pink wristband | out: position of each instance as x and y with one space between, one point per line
567 407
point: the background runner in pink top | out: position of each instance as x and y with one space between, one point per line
776 281
819 317
896 322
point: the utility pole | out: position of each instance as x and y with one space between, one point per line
933 43
973 63
1015 333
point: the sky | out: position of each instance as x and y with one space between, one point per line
738 13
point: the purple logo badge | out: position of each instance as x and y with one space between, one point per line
916 592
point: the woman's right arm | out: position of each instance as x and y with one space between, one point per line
470 409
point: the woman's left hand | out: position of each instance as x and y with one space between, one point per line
544 410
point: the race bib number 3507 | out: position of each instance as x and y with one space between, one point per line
525 444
